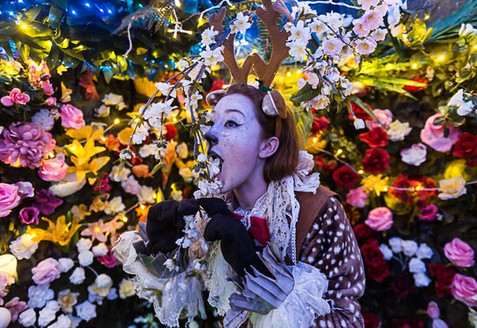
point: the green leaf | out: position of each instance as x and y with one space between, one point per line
55 16
304 94
24 51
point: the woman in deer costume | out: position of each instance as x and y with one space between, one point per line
286 255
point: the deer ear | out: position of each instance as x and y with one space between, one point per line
213 97
274 104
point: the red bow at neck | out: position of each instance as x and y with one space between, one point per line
258 229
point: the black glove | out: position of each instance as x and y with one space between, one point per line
236 245
165 222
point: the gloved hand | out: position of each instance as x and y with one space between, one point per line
236 245
261 293
165 222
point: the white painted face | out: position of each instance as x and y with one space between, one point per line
235 138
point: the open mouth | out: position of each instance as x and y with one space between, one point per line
216 162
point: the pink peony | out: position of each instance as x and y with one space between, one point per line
53 169
51 101
25 145
15 97
464 289
357 197
108 260
433 135
9 198
383 115
428 213
48 88
71 117
459 253
380 218
46 271
29 215
433 310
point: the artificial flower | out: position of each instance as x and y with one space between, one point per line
59 232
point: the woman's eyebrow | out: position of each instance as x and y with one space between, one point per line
234 110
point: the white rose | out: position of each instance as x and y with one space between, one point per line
86 311
84 244
100 249
146 195
114 206
62 322
112 99
131 185
421 280
78 276
417 266
65 264
182 150
67 186
27 318
463 108
424 252
127 288
387 252
415 155
85 258
396 244
23 247
397 130
125 252
39 295
103 281
409 247
46 316
102 111
118 175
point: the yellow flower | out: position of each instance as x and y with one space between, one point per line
126 288
65 93
455 169
80 212
86 132
67 299
59 232
81 158
452 188
375 183
125 135
8 265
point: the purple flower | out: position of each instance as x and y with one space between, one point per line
25 189
46 202
29 215
25 145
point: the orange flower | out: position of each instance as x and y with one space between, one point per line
141 171
110 142
141 212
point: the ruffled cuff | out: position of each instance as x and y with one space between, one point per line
303 304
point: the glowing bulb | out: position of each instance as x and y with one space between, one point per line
426 16
475 47
87 4
414 66
177 3
24 26
116 121
72 148
103 139
174 119
298 72
73 12
142 207
339 152
97 229
360 171
288 74
385 189
125 219
441 57
315 139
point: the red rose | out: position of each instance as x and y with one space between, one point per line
375 160
171 132
371 320
406 323
376 137
363 231
413 89
372 255
419 183
466 146
345 177
444 276
324 166
402 285
378 272
359 112
319 124
217 85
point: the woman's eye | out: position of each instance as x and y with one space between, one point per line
231 124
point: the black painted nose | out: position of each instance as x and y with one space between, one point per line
211 138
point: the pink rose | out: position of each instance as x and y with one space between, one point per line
15 97
464 289
380 218
459 253
51 101
108 260
385 116
46 271
357 197
71 117
428 213
433 310
52 169
433 135
9 198
48 88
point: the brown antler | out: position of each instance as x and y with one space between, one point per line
239 73
269 16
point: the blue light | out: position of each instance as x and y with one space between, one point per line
87 4
11 13
73 12
101 10
109 11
